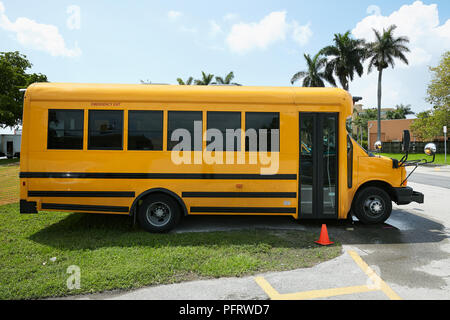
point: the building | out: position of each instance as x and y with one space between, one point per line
358 109
391 131
10 145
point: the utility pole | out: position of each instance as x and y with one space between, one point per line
445 144
368 135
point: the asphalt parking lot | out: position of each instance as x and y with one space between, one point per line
408 257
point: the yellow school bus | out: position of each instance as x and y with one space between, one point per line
111 149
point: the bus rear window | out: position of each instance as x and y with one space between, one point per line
65 129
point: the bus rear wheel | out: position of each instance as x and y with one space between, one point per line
372 205
158 213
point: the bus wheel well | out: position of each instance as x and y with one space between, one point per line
379 184
155 191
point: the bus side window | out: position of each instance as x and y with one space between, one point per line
183 120
105 130
262 120
223 121
145 130
65 129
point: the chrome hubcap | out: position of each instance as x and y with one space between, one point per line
158 214
374 206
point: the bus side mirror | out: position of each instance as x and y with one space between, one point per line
430 149
378 145
406 140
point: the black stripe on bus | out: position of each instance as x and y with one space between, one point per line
78 207
82 194
239 194
243 210
187 176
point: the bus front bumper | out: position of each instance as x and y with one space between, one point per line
407 195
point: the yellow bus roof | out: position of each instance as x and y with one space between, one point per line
194 94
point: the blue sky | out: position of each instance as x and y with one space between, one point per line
261 41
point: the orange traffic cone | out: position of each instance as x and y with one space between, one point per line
323 240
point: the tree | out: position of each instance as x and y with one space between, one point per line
400 112
227 80
361 122
439 88
188 82
422 127
345 58
429 124
314 76
13 77
381 54
206 80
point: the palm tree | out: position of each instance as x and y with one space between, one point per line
187 83
400 112
206 80
228 78
345 58
315 75
381 54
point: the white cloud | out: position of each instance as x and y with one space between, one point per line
428 40
174 15
214 28
418 22
301 34
37 36
245 37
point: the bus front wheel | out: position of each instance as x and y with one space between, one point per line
372 205
158 213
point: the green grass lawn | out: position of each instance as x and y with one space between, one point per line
439 157
9 182
9 161
113 254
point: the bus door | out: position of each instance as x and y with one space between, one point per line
318 174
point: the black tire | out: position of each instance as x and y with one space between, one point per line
372 205
158 213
